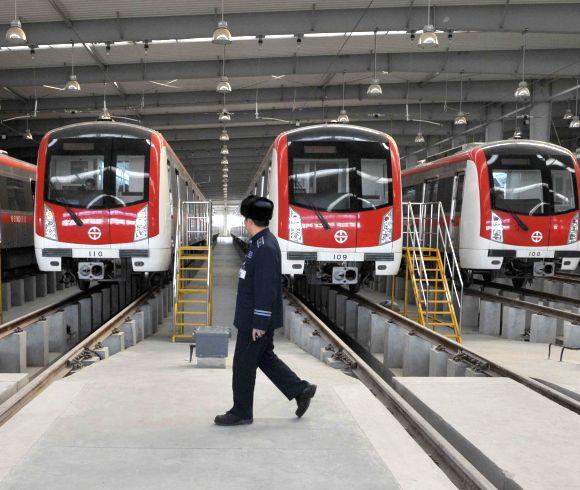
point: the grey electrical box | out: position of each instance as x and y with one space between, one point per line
211 342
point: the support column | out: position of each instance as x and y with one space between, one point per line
494 129
541 120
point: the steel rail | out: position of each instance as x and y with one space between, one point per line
529 292
565 277
33 316
61 367
451 461
490 367
525 305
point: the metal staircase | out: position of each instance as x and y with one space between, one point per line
432 270
192 270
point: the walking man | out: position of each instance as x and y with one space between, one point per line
258 314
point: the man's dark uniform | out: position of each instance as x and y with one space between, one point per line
259 306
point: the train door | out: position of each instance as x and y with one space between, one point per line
456 206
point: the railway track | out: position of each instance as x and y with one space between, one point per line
456 350
529 292
24 321
565 277
68 361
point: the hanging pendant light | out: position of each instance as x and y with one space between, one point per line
28 135
15 35
419 138
224 151
223 86
224 136
342 115
224 116
575 122
523 91
567 115
375 89
222 34
461 118
225 161
517 134
428 38
73 83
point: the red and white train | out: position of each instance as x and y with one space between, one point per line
107 200
512 206
337 196
17 184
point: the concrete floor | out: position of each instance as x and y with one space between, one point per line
144 419
514 436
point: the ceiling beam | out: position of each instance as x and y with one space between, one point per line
539 63
547 18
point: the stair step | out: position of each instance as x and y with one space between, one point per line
193 257
192 290
192 269
194 247
191 312
196 301
190 324
435 312
202 279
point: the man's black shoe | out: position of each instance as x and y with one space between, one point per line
303 399
229 418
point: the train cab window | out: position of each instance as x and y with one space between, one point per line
97 173
533 182
130 178
339 175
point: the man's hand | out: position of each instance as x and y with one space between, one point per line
257 333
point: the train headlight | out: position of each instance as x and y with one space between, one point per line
49 224
387 228
496 228
141 225
573 233
295 227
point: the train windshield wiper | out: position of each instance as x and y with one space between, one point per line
519 221
73 215
319 215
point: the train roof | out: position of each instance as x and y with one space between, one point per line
450 156
8 161
102 129
335 131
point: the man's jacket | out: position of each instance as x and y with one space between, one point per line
259 300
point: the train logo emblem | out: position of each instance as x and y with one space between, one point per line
94 233
537 237
341 236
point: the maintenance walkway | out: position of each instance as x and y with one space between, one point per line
144 419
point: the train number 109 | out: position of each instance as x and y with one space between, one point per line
340 257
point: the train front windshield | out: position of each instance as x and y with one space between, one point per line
97 173
532 183
339 176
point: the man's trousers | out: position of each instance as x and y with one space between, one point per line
250 355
